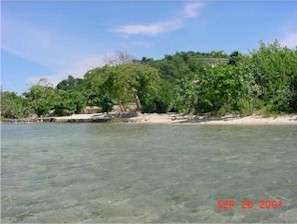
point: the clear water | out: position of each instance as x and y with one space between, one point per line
146 173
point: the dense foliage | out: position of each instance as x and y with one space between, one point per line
13 106
191 82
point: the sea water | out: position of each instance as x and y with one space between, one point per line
146 173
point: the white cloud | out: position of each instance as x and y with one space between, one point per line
190 10
77 69
44 46
64 54
290 40
54 50
149 29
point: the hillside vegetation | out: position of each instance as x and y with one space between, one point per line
265 80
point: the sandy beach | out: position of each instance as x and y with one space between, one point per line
173 118
225 120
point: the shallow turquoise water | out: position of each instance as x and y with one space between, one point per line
146 173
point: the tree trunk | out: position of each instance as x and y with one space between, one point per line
137 102
123 109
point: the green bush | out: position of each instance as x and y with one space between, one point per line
275 71
245 106
41 99
68 103
13 106
225 109
105 103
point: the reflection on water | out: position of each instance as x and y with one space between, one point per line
146 173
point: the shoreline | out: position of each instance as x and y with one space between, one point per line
289 119
167 118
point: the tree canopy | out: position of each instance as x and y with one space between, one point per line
191 82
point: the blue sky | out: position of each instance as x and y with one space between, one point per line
52 39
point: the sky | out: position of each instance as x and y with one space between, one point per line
52 39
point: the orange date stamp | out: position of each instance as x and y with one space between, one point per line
230 203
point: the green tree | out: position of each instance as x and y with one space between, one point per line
68 103
70 83
105 103
191 82
124 84
222 87
275 70
13 106
41 99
